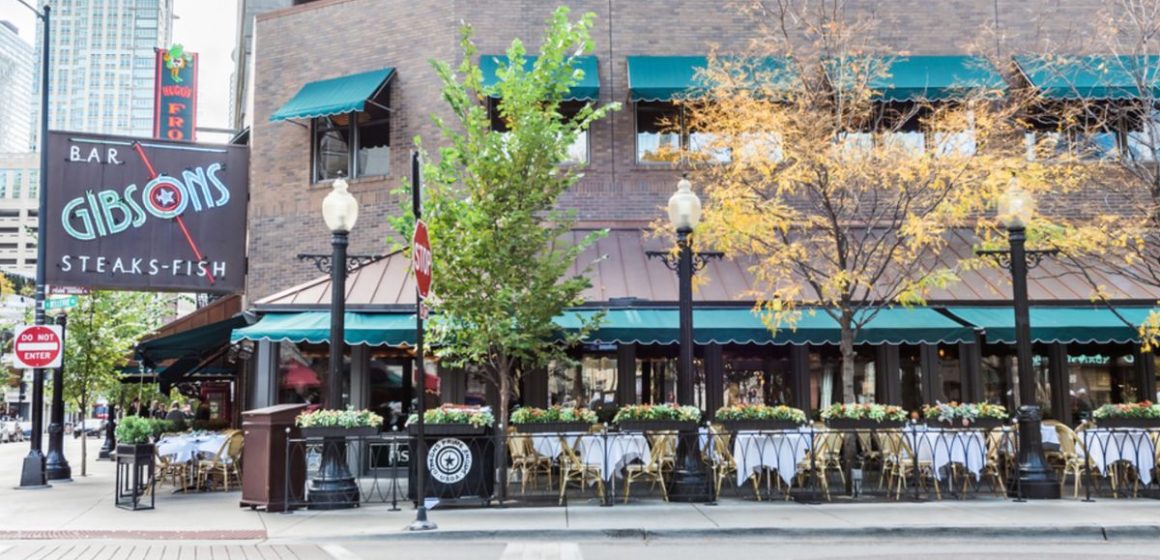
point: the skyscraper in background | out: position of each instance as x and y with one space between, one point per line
16 63
102 64
241 82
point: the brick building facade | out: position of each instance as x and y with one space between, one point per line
332 38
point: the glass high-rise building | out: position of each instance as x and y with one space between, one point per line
102 64
16 62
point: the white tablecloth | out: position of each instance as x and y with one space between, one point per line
1134 446
182 449
943 447
548 445
622 449
753 451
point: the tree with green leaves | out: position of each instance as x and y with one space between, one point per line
501 270
102 331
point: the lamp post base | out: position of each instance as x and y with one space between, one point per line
32 474
57 468
333 487
690 484
1036 479
421 523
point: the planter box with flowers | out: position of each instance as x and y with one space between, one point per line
965 415
1130 415
863 416
447 420
339 423
656 418
760 417
531 420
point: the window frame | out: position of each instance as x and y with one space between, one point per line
684 142
496 125
352 136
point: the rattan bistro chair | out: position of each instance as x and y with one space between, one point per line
224 463
526 461
574 469
660 461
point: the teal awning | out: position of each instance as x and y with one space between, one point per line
194 343
665 78
899 325
587 90
334 96
914 78
371 329
1104 77
1069 325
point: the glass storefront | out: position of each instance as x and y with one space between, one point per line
994 379
754 378
826 378
589 383
302 371
1100 378
389 388
951 373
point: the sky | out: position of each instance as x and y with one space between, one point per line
206 27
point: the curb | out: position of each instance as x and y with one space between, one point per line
1055 533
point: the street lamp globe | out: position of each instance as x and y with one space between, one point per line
684 207
1016 206
339 208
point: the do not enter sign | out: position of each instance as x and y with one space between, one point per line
37 347
421 259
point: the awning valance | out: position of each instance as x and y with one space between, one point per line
334 96
587 90
918 325
1104 77
195 343
371 329
1068 325
665 78
914 78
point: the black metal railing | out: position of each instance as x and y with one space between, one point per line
812 464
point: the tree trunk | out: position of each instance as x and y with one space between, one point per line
505 384
846 322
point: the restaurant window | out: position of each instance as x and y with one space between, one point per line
590 383
577 151
656 380
1101 377
826 378
361 139
751 378
302 372
1050 137
662 132
994 378
1041 371
389 388
950 373
1144 137
910 377
477 388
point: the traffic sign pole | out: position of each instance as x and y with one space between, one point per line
421 522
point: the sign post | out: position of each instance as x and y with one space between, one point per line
421 260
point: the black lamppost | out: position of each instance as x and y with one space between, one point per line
333 486
56 466
1036 480
33 474
690 484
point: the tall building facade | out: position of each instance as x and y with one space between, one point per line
16 62
102 64
241 81
19 187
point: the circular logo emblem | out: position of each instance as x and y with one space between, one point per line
449 460
164 197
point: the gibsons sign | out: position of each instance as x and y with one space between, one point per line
140 214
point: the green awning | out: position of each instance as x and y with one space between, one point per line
334 96
1069 325
371 329
914 78
194 343
587 90
899 325
665 78
1092 77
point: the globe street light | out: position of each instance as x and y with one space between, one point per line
1016 208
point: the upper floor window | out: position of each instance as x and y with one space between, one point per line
662 132
577 151
354 144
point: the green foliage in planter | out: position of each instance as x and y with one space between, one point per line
134 430
349 418
952 411
1143 409
557 413
869 411
760 412
476 418
641 412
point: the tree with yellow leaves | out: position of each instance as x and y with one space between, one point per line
840 185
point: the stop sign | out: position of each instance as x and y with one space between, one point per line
421 259
37 347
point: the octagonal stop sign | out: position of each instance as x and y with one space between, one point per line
421 259
38 346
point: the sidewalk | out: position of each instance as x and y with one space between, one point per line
84 509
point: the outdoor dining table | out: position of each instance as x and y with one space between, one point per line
944 447
612 452
1106 447
780 450
189 447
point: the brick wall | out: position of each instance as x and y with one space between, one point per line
332 38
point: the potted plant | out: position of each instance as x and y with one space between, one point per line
965 415
451 420
339 423
869 416
760 417
658 417
135 439
556 418
1129 415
